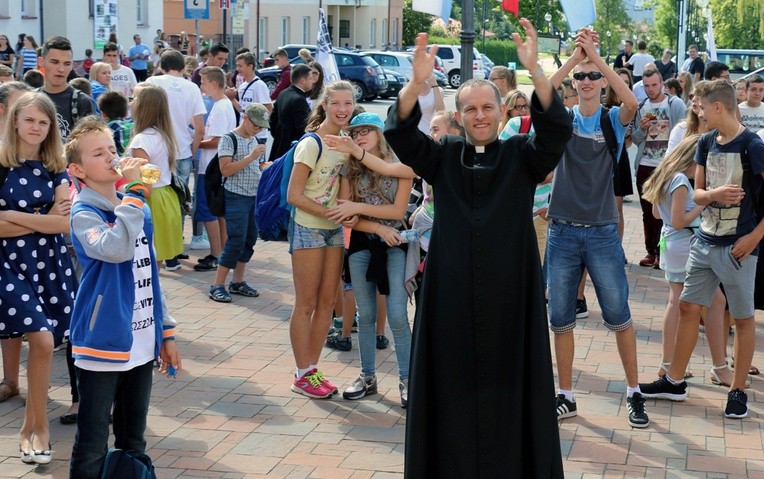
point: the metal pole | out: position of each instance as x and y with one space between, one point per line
468 39
483 27
257 32
198 43
681 33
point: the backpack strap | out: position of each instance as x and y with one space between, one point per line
606 125
525 124
313 135
748 174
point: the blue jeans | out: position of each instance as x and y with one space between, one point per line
397 314
130 392
183 169
598 249
241 228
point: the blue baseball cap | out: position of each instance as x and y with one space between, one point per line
367 119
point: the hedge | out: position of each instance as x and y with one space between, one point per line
500 51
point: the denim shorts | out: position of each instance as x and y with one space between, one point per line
708 265
570 249
302 237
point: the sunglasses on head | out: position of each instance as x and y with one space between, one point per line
591 76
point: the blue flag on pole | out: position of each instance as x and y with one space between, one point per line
580 13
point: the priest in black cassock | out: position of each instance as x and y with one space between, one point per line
481 385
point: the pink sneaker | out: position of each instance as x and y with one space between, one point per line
329 385
311 386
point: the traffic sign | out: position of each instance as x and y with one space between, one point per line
196 9
224 4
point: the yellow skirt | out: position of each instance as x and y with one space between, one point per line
165 215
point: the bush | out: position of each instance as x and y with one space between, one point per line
500 52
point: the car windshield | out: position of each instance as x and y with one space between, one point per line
369 61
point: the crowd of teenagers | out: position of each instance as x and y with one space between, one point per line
85 236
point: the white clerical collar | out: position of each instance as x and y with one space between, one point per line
480 149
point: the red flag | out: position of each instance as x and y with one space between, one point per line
512 6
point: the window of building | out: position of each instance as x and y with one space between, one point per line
373 33
262 36
305 29
27 8
394 37
384 32
284 30
142 12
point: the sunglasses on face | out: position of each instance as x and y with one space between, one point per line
359 132
593 76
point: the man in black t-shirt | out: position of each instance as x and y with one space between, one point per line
624 56
71 104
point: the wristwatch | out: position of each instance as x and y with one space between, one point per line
538 72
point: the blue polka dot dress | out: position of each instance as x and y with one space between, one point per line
37 280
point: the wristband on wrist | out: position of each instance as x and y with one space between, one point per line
363 155
138 188
539 72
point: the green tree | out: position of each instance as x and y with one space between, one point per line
414 23
731 30
666 27
611 17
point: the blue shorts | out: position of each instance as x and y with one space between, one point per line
570 249
202 211
302 237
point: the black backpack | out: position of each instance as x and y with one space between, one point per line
213 183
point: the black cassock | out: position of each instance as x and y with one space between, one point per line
481 391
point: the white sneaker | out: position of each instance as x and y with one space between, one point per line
198 242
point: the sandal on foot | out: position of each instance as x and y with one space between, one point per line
664 369
753 371
8 389
243 289
718 381
219 294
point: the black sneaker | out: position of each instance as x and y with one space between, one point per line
637 415
565 408
737 404
361 387
382 341
663 389
208 263
581 310
171 264
336 341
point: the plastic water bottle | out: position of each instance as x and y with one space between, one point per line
409 236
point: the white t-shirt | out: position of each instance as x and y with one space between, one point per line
221 120
185 103
656 141
638 61
257 92
753 118
123 81
427 106
151 141
143 322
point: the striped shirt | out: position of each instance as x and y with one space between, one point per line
30 58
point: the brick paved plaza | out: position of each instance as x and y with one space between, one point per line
231 414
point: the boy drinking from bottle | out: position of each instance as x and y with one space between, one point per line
119 327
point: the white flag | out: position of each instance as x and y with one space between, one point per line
710 42
324 54
439 8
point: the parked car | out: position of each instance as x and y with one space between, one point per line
452 61
400 62
395 81
364 73
291 50
441 78
487 61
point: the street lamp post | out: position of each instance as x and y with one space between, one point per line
548 18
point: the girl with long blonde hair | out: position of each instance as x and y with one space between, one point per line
517 104
316 243
100 80
670 192
380 204
38 283
154 139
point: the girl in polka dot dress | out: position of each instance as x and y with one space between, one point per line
37 282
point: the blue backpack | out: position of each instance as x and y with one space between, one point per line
122 465
272 212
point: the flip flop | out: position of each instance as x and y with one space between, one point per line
9 389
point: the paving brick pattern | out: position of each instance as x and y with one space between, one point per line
230 414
